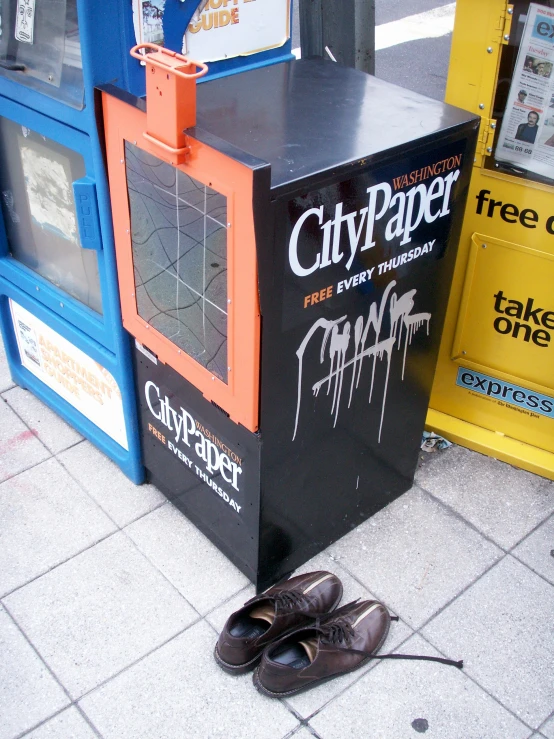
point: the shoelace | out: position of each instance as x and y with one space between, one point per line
338 632
289 599
341 632
285 600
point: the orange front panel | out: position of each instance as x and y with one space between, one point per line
237 392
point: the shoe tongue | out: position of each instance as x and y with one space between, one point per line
310 646
265 612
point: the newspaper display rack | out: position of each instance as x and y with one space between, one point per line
494 386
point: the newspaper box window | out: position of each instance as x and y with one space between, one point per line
524 100
284 264
43 231
179 236
40 48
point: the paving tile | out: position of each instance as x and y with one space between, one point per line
180 685
28 692
66 725
96 614
6 381
305 704
537 551
186 557
100 477
503 629
218 617
46 519
301 732
308 703
415 556
55 434
503 502
19 446
547 729
401 699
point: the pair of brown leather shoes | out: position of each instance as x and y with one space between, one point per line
298 638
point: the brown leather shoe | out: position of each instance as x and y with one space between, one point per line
339 643
268 616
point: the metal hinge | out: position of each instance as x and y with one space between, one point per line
486 138
505 24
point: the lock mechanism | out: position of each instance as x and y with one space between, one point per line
170 98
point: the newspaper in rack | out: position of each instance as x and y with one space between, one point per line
526 138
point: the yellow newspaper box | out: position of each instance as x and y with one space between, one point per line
494 385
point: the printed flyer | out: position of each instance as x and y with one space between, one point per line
219 29
69 372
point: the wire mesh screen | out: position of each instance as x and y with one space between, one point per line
179 239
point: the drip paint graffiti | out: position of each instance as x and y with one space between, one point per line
341 348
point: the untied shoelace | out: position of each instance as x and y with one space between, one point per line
342 632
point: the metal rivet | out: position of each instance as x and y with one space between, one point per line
484 246
228 369
510 11
464 352
132 295
37 288
61 305
228 300
228 225
489 149
506 37
481 106
127 231
213 378
135 143
147 326
50 78
121 161
178 351
489 49
493 125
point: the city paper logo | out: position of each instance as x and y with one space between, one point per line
350 347
402 212
214 455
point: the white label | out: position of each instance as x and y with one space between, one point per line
146 352
25 21
71 373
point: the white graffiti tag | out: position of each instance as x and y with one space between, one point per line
338 340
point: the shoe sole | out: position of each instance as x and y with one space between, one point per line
236 669
248 666
301 688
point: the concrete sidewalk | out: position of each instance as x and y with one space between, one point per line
111 602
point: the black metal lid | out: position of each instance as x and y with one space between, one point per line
310 116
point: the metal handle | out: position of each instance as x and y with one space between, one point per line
155 62
86 209
12 66
183 151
